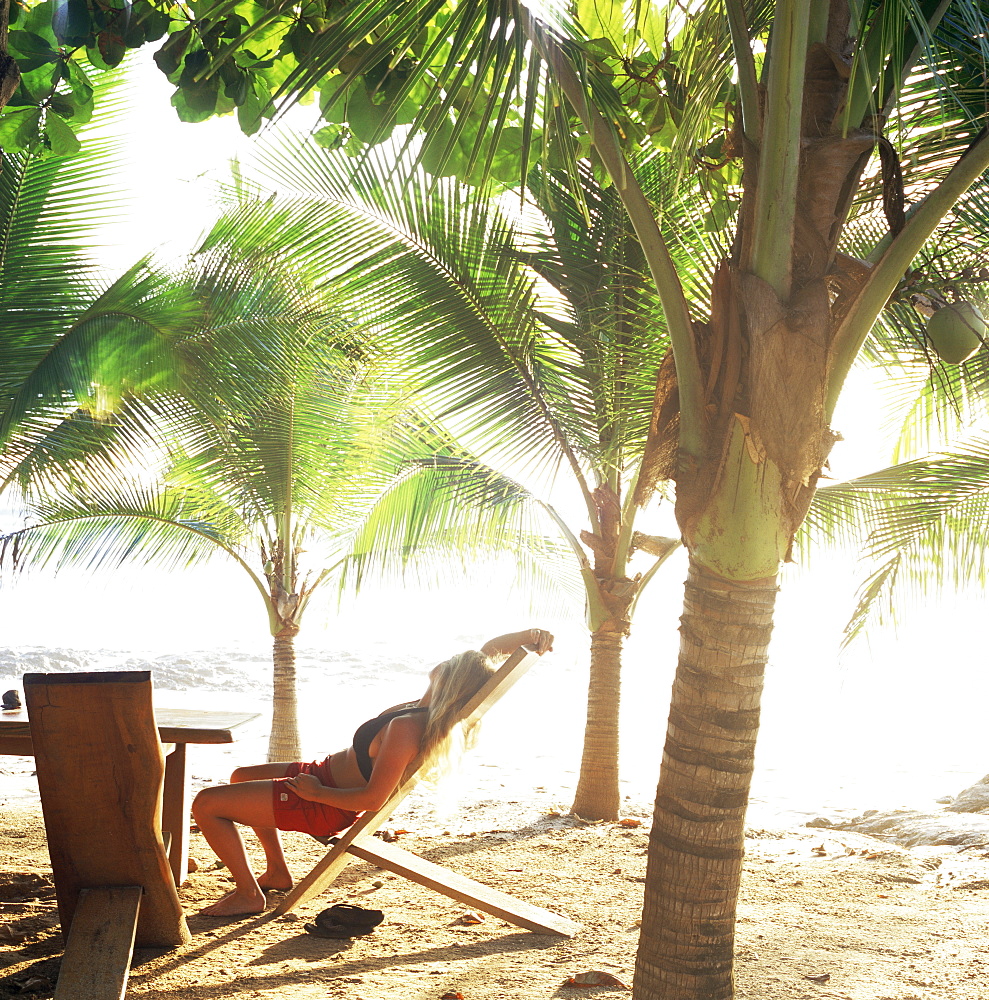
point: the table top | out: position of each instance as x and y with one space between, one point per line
175 725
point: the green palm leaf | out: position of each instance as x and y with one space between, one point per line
931 512
469 315
49 209
443 516
102 527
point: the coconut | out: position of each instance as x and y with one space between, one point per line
956 332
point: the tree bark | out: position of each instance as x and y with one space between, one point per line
597 795
10 75
284 743
696 843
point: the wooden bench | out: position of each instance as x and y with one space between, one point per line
100 772
359 840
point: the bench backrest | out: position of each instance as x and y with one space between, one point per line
100 773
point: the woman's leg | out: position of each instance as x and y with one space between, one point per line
276 874
258 772
216 810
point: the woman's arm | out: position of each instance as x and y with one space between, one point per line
502 645
400 741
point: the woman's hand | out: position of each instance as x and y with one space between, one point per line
541 640
306 786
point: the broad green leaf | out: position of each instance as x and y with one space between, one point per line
39 20
20 130
61 139
31 50
72 22
603 19
62 105
366 117
196 98
143 23
330 136
36 85
82 91
197 102
505 164
168 58
251 114
652 28
112 48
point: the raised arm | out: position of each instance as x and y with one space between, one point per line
501 646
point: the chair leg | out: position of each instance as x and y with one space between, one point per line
463 889
329 866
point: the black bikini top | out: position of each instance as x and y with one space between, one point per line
368 730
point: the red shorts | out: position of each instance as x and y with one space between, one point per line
315 818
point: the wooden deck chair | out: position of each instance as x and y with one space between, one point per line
100 772
359 840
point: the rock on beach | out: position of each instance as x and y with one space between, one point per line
962 822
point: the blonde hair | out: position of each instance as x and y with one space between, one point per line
454 683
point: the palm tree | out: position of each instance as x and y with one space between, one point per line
553 376
90 378
258 439
238 409
747 417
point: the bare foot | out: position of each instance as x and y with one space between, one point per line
280 881
234 904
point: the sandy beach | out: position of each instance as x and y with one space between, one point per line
823 914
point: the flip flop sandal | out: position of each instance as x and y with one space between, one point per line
361 921
328 930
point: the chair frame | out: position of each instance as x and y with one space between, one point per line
359 841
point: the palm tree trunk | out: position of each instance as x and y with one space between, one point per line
597 794
284 743
695 847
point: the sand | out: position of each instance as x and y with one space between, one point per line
822 914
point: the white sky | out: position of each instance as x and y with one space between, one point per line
169 170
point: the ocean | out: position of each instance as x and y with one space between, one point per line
895 723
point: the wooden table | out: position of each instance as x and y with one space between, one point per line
177 727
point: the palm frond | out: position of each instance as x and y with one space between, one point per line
927 521
442 516
111 347
50 210
102 528
471 316
874 607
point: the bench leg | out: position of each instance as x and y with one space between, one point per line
100 944
175 810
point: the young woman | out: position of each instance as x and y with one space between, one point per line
324 798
